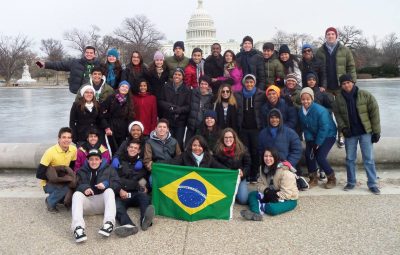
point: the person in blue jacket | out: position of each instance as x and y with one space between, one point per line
320 135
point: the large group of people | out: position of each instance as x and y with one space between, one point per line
248 111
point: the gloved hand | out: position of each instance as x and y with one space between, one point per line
270 195
115 163
375 138
138 165
346 132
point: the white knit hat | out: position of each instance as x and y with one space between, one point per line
87 87
135 123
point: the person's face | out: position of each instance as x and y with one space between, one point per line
162 130
228 57
216 50
65 140
123 89
178 51
177 77
311 82
330 37
92 139
196 148
204 88
306 100
96 77
307 54
228 139
89 54
94 162
196 56
210 122
347 86
274 121
284 56
159 62
135 59
111 59
225 92
268 158
133 149
272 97
143 87
88 95
249 84
247 46
290 84
267 53
136 132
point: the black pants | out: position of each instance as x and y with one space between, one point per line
249 138
178 133
138 199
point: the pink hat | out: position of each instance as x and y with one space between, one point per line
158 55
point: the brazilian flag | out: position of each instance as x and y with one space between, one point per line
193 193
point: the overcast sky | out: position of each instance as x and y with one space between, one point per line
42 19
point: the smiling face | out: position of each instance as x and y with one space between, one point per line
229 139
228 57
196 57
159 62
347 86
177 77
136 132
267 53
92 139
88 95
249 84
96 77
284 56
291 84
306 100
197 148
225 92
135 59
123 89
111 59
247 46
94 162
143 87
272 97
307 54
330 37
204 88
274 121
268 158
162 130
89 54
210 121
65 140
133 149
216 50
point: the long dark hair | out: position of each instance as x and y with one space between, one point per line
202 143
82 102
275 155
237 64
140 57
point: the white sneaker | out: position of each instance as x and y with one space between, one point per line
79 234
106 229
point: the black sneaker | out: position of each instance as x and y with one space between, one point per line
79 234
375 190
147 220
106 229
126 230
249 215
348 187
49 208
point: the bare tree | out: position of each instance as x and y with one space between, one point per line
139 34
280 38
13 52
352 37
107 42
54 51
80 39
391 49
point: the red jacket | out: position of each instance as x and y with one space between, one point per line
191 76
145 106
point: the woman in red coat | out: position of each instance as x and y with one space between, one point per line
145 105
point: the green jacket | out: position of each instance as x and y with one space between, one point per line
172 63
344 61
367 108
273 69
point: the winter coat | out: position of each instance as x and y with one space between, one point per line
317 124
236 75
145 107
156 82
130 173
287 69
123 147
191 79
258 99
243 162
256 66
173 62
197 109
286 142
290 96
117 73
101 95
231 119
83 151
187 159
76 67
289 113
316 66
367 108
175 105
344 63
321 98
283 181
214 67
105 174
273 70
133 76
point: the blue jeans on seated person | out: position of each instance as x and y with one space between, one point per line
56 193
242 193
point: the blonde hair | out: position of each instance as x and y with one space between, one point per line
231 99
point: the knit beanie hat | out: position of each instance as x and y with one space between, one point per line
249 76
292 77
248 38
331 29
113 52
345 77
124 83
274 88
210 113
135 123
311 75
306 46
87 87
307 90
206 79
268 46
158 56
284 49
179 44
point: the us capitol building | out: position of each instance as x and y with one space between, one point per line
200 33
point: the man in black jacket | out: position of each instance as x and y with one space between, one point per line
214 66
309 63
79 69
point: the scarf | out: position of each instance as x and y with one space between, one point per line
89 106
198 158
121 98
111 75
331 47
248 94
199 70
137 69
230 151
159 71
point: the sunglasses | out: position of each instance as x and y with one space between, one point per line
307 50
226 91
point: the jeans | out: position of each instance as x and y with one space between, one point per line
242 193
249 138
56 193
178 133
367 156
138 199
320 156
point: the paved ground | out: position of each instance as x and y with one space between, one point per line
325 222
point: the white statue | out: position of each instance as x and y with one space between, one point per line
26 76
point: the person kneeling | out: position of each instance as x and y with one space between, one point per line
277 190
95 194
134 191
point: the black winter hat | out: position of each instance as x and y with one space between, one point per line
247 38
179 44
206 79
345 77
268 46
210 113
284 49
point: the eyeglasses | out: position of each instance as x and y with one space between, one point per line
225 91
307 50
228 137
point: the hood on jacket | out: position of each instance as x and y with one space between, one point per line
154 136
275 111
316 77
103 81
